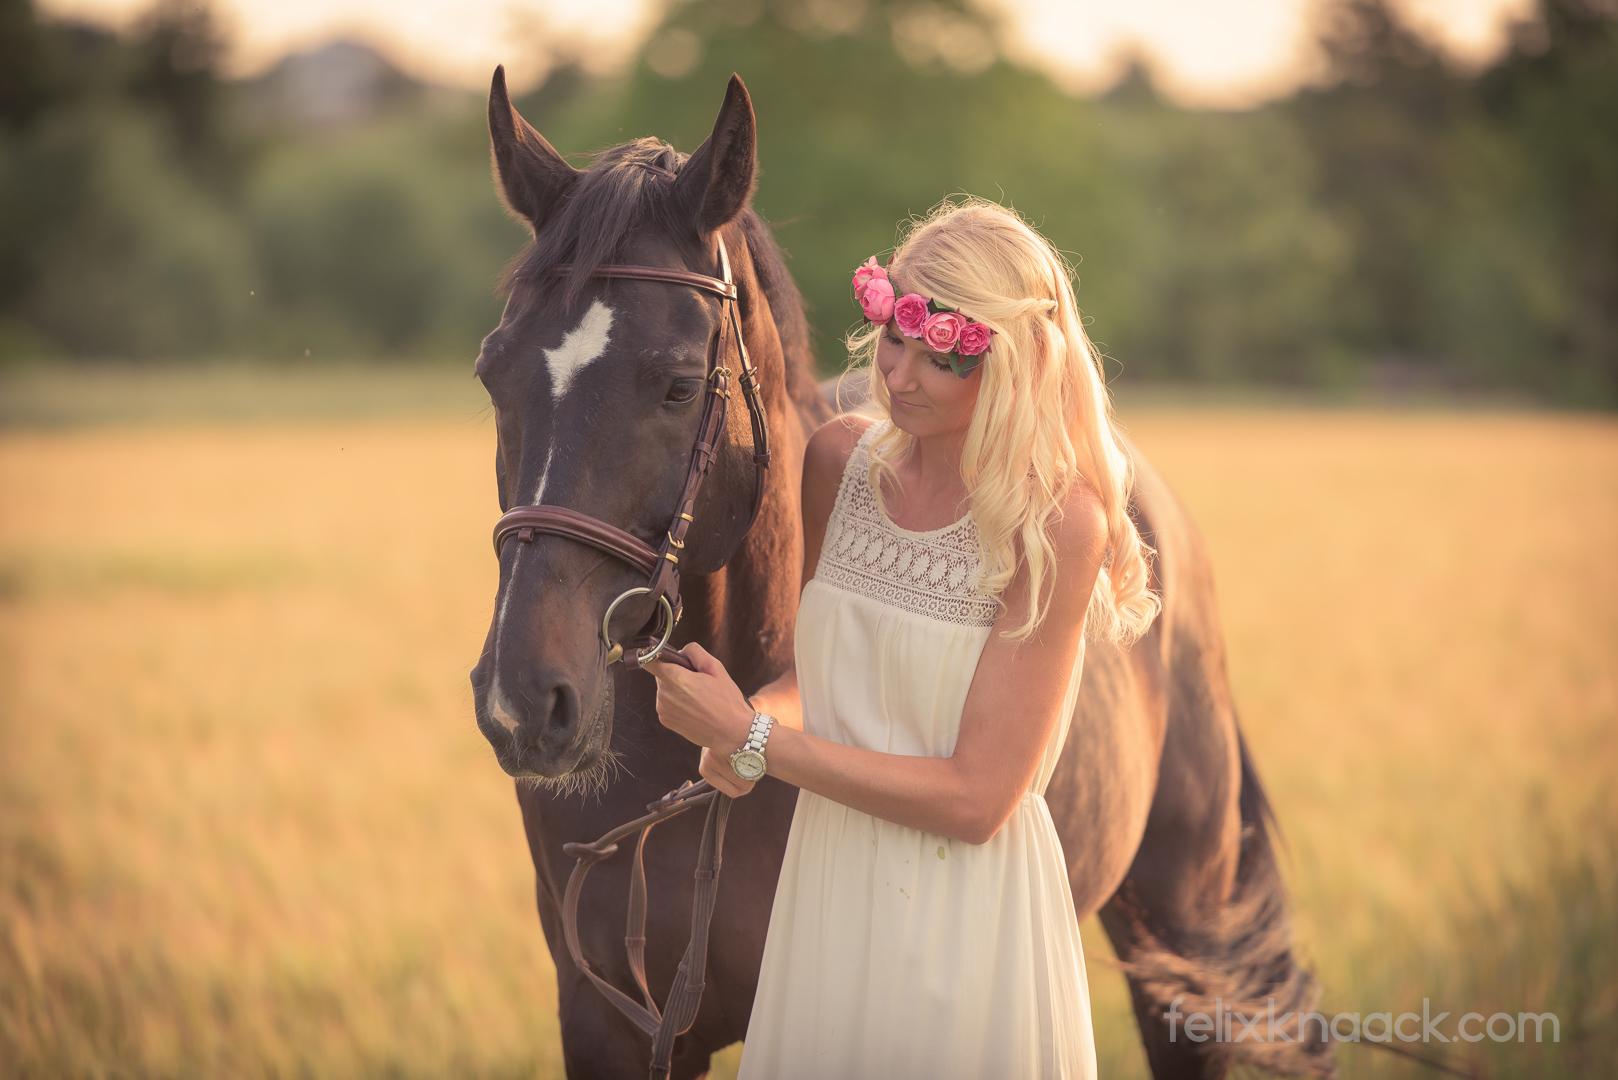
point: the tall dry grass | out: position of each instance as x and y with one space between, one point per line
247 827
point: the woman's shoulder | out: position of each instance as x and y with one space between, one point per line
1080 528
824 461
1079 539
829 448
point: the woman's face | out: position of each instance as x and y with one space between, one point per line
927 398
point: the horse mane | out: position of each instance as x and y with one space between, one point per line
625 189
787 308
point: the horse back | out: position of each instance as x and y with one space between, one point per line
1151 766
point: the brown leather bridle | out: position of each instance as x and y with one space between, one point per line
662 566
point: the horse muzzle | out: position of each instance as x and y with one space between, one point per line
544 728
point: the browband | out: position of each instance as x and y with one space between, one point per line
725 289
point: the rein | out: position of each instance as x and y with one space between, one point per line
680 1010
662 570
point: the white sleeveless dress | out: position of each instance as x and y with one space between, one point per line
893 952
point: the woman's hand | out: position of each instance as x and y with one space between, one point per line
707 708
715 769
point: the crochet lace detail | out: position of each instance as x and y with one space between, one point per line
931 573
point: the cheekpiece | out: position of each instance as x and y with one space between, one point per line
945 330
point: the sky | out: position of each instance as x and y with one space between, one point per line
1205 53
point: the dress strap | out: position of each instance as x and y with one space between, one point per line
856 471
932 573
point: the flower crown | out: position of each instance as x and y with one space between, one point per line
945 330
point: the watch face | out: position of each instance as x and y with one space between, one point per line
747 764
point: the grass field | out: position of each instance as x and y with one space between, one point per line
248 829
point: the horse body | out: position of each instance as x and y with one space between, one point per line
1160 813
1181 870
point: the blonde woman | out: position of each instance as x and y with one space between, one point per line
957 554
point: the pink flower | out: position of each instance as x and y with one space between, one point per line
910 312
868 273
974 339
876 299
941 331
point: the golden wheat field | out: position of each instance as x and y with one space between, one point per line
248 828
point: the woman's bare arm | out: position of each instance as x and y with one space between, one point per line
1011 709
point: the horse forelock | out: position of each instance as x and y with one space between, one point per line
614 197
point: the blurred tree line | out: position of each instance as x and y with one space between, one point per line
151 210
1401 222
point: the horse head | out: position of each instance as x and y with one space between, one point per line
599 384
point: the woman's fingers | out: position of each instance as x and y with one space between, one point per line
702 660
715 776
661 669
704 706
715 769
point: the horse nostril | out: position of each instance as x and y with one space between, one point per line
561 716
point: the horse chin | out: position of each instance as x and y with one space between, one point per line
591 774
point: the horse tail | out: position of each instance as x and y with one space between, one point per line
1237 962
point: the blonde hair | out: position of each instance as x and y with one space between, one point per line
1043 418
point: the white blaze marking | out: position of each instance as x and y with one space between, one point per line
544 474
582 344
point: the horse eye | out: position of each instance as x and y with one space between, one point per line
684 390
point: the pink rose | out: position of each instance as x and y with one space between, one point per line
941 331
867 273
974 339
910 312
876 299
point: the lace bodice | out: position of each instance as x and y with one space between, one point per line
931 573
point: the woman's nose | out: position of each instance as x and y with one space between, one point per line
901 376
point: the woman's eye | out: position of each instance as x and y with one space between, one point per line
939 363
683 390
893 339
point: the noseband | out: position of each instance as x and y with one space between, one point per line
662 566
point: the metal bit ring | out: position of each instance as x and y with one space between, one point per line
615 651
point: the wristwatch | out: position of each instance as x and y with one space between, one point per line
748 762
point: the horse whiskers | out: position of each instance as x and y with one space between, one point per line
588 781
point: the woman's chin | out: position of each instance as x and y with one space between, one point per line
909 419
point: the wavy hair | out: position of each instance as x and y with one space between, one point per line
1043 419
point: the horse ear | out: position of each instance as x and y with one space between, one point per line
531 175
717 180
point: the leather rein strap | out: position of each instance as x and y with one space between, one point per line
662 565
680 1010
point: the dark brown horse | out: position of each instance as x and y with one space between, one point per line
595 384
